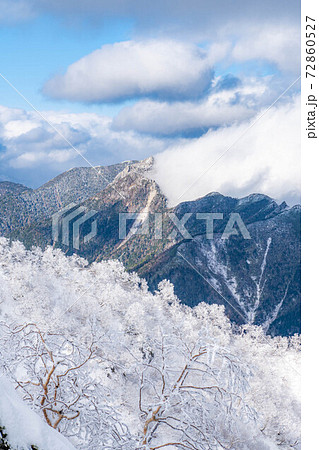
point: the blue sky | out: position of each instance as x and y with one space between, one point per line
128 80
32 51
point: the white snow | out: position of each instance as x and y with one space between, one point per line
260 284
23 426
221 269
274 314
118 355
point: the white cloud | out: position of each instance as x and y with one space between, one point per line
32 152
265 160
268 29
220 108
135 69
31 159
279 45
170 70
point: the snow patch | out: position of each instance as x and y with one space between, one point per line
23 426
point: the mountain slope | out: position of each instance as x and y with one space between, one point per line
7 187
23 207
256 279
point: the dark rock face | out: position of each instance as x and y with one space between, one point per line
256 279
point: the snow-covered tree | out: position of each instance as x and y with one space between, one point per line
110 365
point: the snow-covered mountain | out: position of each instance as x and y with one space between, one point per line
257 279
20 205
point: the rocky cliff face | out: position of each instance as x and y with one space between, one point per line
256 279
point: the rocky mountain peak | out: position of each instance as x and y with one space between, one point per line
257 279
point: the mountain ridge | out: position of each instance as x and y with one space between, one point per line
257 279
